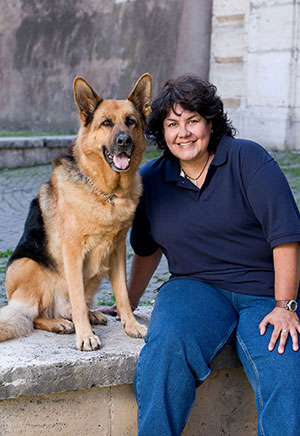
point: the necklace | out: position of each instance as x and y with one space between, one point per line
109 197
200 174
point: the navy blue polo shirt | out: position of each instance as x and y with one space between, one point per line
223 233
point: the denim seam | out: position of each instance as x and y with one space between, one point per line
260 400
203 378
138 390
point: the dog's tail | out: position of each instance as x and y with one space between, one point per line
16 319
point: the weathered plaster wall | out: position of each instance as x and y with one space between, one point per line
45 44
255 64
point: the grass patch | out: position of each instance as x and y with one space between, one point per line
160 279
147 303
287 159
6 253
150 154
106 301
3 265
294 171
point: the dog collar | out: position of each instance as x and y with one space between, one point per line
109 197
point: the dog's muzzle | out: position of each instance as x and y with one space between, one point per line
119 159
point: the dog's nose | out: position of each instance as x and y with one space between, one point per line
123 139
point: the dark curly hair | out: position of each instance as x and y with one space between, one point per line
193 94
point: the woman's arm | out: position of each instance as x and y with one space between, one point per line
142 269
287 273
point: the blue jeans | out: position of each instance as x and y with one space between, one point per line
191 322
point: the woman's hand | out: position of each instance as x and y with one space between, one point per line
285 323
111 310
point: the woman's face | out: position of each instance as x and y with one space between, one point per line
186 133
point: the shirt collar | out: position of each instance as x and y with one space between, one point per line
221 154
172 170
173 167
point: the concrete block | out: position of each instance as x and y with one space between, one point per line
228 42
255 4
296 96
268 77
263 28
81 413
229 7
24 152
225 404
44 363
264 125
123 411
229 79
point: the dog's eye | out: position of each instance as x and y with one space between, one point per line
130 122
107 123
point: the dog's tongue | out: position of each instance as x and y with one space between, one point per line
121 161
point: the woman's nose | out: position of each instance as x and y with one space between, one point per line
183 130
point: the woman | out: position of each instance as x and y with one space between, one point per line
222 212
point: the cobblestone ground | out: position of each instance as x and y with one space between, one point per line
18 187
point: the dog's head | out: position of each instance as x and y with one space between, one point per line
112 130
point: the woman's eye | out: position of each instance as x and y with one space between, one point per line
194 121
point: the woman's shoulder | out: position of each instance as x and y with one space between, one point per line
248 153
152 168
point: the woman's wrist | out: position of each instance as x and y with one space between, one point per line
288 304
134 304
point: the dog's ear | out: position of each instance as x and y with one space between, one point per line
86 99
141 94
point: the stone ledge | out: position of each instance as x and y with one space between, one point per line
19 152
46 363
36 141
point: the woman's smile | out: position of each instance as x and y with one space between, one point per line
185 144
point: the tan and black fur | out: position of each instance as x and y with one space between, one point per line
75 231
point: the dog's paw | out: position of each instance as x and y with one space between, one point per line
88 343
56 325
65 327
97 317
135 329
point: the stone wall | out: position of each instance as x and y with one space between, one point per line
45 44
255 64
253 60
50 388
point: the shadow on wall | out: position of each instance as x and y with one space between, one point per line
110 43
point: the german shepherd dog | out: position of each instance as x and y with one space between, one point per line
76 228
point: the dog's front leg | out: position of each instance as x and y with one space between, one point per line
73 264
118 280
